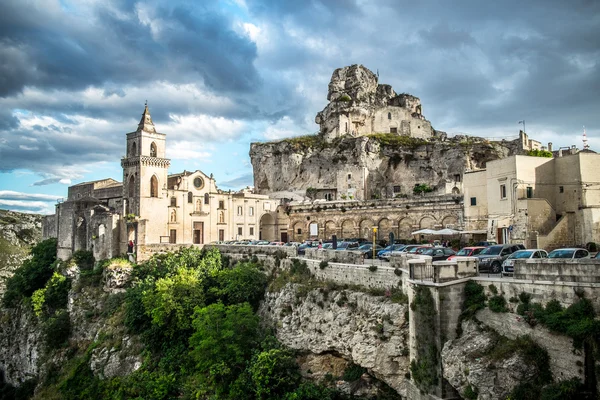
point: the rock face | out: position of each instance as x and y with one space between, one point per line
380 166
369 331
358 106
18 232
94 316
467 365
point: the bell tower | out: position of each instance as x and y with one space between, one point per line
145 171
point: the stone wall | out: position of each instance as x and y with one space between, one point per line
383 277
559 270
342 256
289 251
145 251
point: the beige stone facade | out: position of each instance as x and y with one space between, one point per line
152 207
540 202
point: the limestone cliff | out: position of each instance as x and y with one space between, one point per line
375 166
366 330
18 232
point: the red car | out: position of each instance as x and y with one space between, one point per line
467 252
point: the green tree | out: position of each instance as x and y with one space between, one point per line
171 302
244 283
223 339
33 274
274 373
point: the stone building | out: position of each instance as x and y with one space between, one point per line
155 209
359 105
356 219
537 201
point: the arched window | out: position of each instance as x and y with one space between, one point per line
153 149
133 149
389 115
131 186
153 186
190 197
206 198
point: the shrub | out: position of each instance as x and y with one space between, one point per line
353 373
422 188
497 304
84 259
57 329
274 373
591 246
323 264
372 268
33 274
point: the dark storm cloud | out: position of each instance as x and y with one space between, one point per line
51 48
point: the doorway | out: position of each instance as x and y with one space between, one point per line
198 232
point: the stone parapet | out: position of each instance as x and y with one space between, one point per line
342 256
289 251
558 270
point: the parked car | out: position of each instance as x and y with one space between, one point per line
327 245
273 243
487 243
347 246
467 252
569 253
491 258
419 249
437 253
302 248
508 266
390 248
597 256
367 249
403 250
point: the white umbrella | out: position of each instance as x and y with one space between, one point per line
447 231
424 232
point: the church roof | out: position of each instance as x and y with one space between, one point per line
146 123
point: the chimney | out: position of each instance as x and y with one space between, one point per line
550 146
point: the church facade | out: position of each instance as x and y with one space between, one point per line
156 210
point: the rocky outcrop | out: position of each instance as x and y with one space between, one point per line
470 367
383 166
359 105
366 330
18 232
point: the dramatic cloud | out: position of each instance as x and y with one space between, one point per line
27 202
217 74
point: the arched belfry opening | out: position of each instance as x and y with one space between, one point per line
153 186
131 186
153 149
133 149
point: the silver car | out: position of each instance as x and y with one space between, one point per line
508 266
569 253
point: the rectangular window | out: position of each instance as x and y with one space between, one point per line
561 189
299 231
221 204
240 210
251 211
473 201
529 192
240 231
393 130
503 191
251 231
221 234
173 202
349 176
397 189
456 177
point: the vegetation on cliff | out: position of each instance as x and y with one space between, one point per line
195 313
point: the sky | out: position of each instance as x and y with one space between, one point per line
218 75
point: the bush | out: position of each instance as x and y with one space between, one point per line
274 373
372 268
84 259
497 304
57 329
33 274
353 373
591 246
323 264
